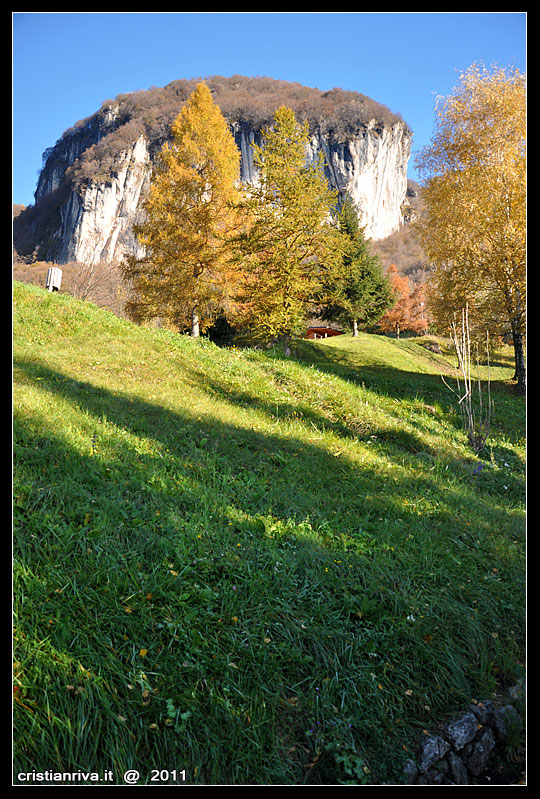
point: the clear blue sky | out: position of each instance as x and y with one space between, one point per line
66 64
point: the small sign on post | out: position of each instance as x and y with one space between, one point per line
54 278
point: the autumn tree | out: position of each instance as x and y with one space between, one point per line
357 290
474 174
184 276
288 241
419 317
399 317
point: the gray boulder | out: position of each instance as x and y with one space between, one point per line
462 730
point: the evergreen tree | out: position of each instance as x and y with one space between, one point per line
357 291
184 277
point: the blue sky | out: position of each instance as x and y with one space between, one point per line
66 64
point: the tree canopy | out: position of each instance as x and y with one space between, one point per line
408 312
183 277
357 290
474 191
288 239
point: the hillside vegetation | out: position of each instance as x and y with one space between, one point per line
252 569
244 99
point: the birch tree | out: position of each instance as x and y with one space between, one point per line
474 174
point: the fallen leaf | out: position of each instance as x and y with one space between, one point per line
292 700
75 689
314 761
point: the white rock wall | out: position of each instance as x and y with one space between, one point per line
97 226
371 167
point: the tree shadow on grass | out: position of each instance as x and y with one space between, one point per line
117 536
264 469
394 381
397 383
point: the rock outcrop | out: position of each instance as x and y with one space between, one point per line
462 752
92 182
97 223
370 165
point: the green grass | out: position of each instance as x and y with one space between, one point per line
253 569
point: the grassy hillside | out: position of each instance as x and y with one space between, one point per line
253 569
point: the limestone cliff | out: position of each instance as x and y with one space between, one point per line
372 167
97 221
90 188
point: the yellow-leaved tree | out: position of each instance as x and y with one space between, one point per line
474 189
288 244
184 277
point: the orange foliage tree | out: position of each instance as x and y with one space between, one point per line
185 274
408 314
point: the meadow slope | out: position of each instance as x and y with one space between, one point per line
239 568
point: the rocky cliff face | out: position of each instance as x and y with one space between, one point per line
94 208
372 168
97 222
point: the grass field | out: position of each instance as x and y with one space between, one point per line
232 567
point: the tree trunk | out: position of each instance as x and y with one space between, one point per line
287 345
519 358
194 323
355 327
